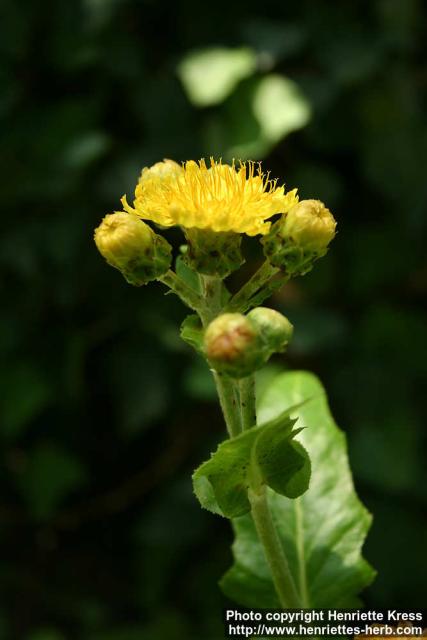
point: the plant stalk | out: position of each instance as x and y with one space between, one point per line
273 550
229 401
227 388
247 402
265 527
190 297
241 300
237 400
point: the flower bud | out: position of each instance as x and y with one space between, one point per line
161 171
275 329
300 237
233 345
130 245
213 253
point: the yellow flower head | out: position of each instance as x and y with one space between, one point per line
221 198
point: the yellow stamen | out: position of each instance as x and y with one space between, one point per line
220 197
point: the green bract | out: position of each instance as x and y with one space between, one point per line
213 253
264 455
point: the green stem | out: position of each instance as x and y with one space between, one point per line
237 401
247 402
241 300
268 289
212 289
226 387
229 401
190 297
267 534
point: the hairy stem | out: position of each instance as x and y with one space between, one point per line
241 300
237 401
247 402
266 530
229 401
212 288
276 282
190 297
273 550
227 388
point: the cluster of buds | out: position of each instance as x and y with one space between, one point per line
131 246
238 344
214 205
300 237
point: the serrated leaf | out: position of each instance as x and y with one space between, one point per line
192 332
271 449
262 455
322 531
227 474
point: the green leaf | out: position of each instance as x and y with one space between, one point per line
210 75
221 483
262 455
261 112
280 107
192 332
322 531
273 446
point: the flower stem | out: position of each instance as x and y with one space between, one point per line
190 297
229 401
267 534
227 388
247 402
212 288
237 401
273 550
241 300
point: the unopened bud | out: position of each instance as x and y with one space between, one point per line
161 171
130 245
300 237
233 345
275 329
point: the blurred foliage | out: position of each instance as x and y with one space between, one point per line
104 412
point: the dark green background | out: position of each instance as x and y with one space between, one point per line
104 412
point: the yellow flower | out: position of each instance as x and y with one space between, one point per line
221 198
